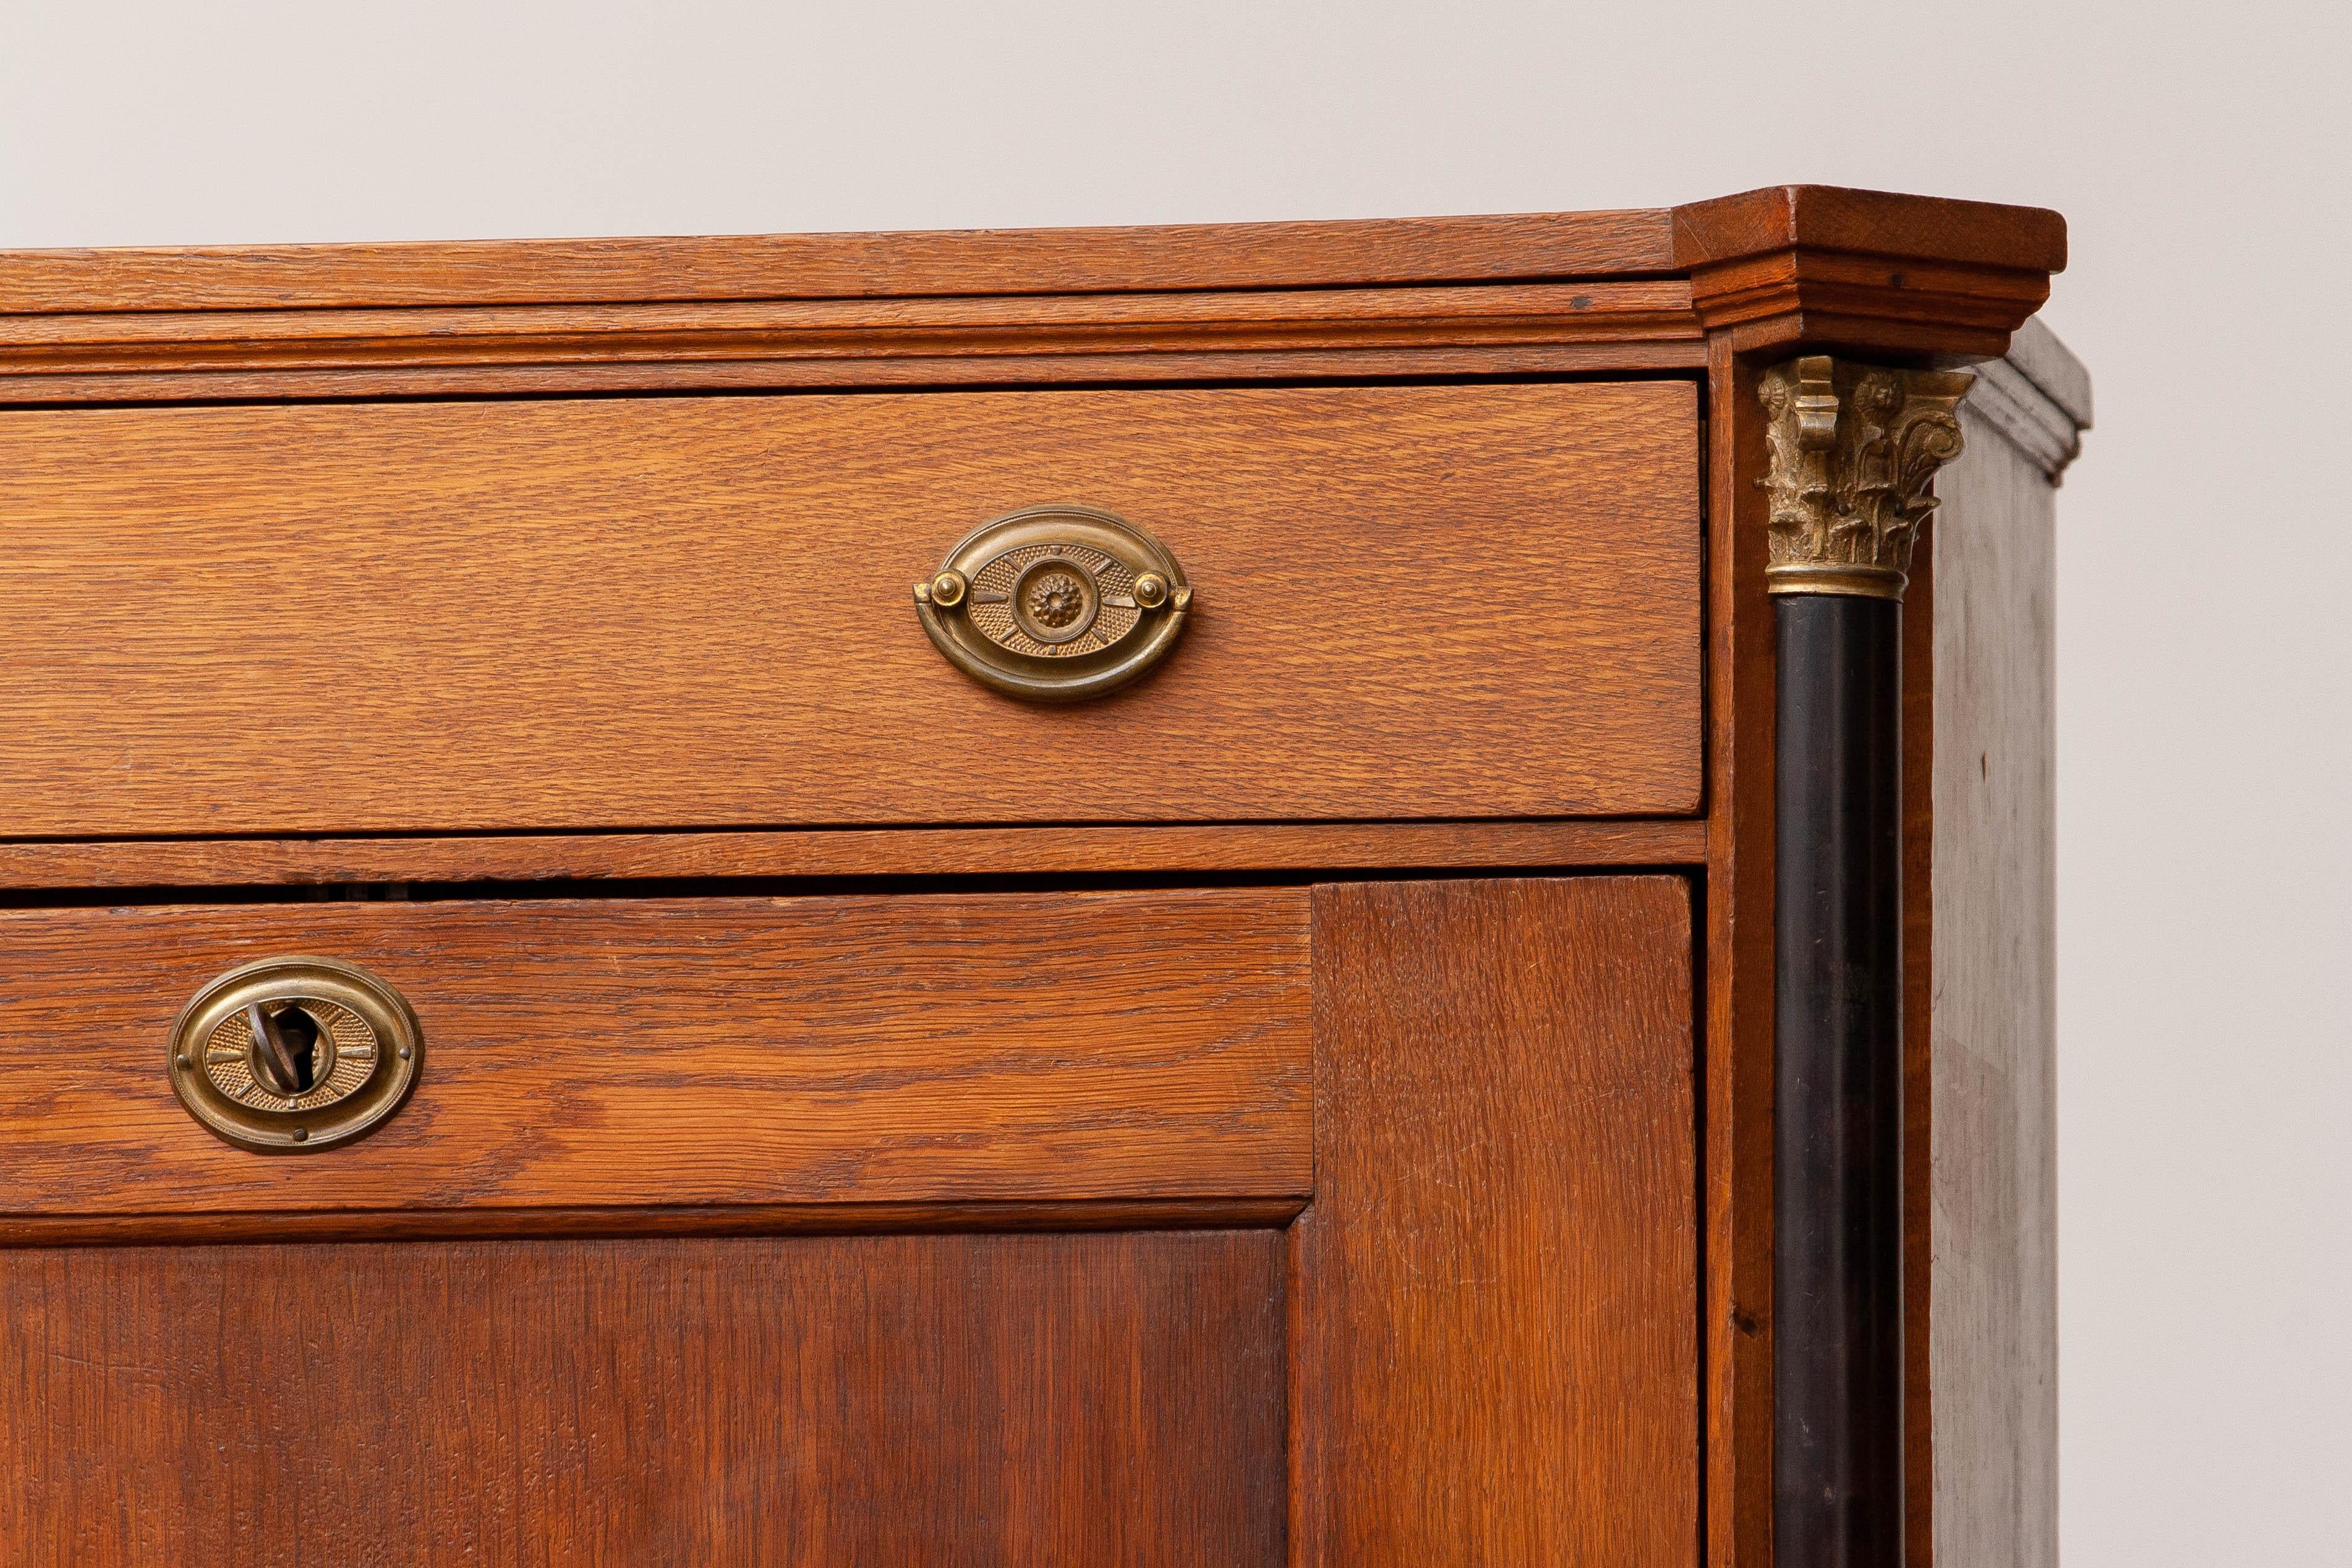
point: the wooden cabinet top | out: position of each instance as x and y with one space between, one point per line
1802 265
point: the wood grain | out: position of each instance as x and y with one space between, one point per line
2051 371
1737 1038
1496 1297
937 1400
1868 271
1530 294
1918 764
842 266
655 613
2028 420
851 852
1868 223
516 348
938 1217
587 377
630 1052
1992 1228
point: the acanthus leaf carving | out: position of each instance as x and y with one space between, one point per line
1854 454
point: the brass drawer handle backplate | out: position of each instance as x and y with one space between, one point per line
1056 603
295 1054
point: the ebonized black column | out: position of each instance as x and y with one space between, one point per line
1838 1115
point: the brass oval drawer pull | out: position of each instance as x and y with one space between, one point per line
1056 603
295 1054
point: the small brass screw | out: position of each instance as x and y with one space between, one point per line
1151 590
946 590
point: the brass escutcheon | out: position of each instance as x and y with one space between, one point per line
292 1055
1056 603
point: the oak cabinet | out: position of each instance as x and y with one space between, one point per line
559 1003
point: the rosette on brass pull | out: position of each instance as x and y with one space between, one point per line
1056 603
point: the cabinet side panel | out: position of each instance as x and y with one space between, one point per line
1498 1326
1993 1226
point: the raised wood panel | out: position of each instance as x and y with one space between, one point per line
1496 1286
964 1050
658 613
1050 1400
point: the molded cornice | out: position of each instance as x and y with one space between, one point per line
1866 272
1900 278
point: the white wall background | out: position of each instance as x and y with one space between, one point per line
2205 884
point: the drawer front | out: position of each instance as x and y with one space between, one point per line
1439 601
633 1053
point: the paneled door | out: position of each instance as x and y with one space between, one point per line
1348 1223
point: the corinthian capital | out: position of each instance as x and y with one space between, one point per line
1854 451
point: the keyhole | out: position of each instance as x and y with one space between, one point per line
289 1042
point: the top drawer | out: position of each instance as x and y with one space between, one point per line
1434 601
